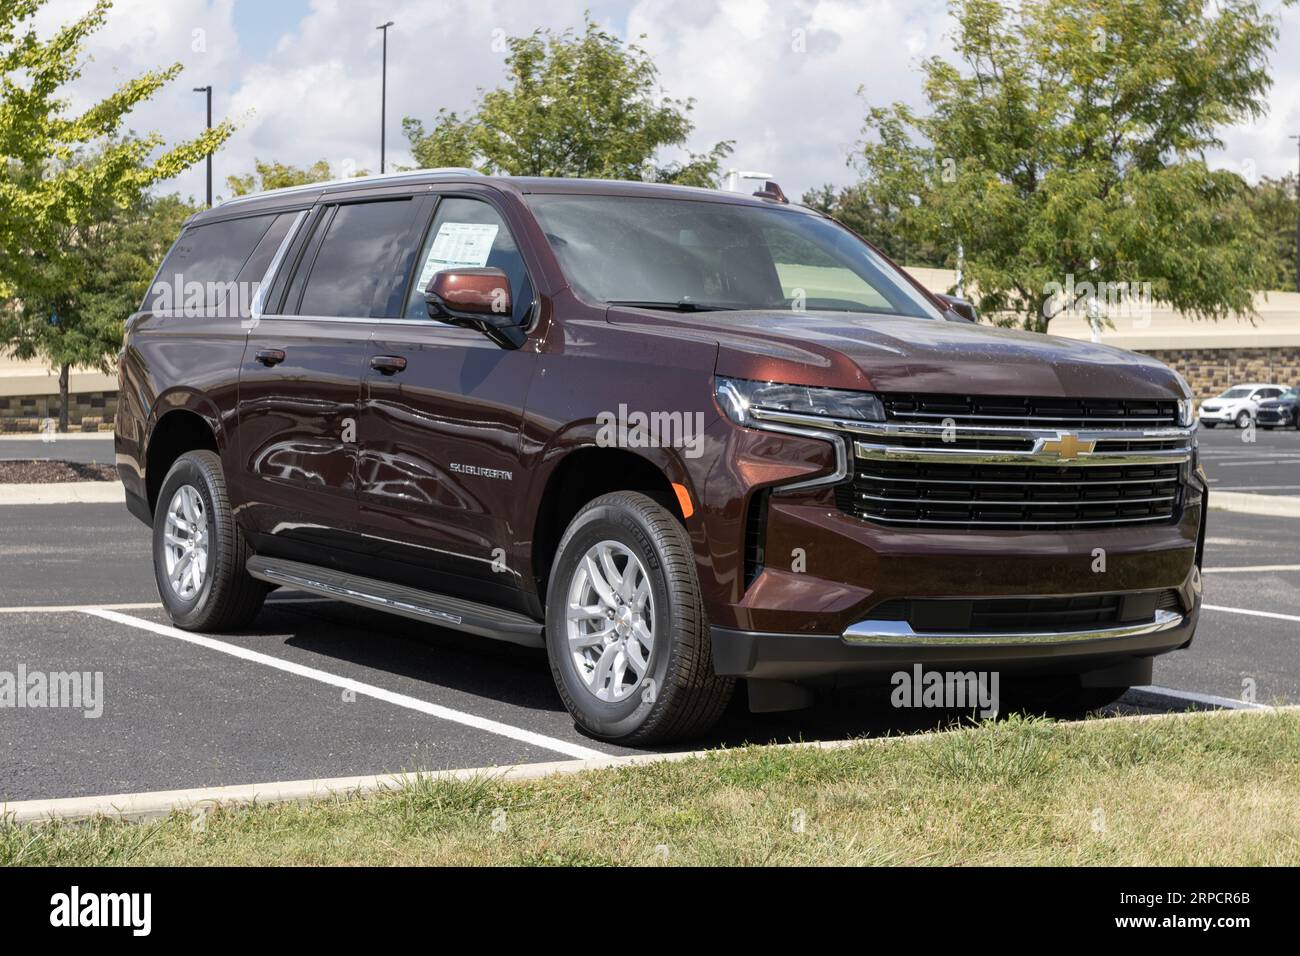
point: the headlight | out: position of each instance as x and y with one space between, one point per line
1186 412
738 397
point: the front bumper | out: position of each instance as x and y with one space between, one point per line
884 646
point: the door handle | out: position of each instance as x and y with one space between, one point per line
269 357
388 364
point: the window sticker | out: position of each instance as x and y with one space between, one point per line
459 244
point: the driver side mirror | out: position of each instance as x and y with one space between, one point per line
962 308
476 299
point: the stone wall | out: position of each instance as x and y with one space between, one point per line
88 411
1210 371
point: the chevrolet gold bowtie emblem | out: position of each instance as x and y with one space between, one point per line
1068 447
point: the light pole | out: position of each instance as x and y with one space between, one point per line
383 96
208 90
1297 218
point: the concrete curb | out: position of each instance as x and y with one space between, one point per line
141 807
64 493
62 437
1280 506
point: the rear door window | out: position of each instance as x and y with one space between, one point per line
354 267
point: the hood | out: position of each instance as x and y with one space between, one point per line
900 354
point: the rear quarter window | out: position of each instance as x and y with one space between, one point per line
201 268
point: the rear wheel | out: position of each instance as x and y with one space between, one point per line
199 552
625 626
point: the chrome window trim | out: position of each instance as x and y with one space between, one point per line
257 309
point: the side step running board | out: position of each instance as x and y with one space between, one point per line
419 605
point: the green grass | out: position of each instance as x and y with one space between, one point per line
1200 789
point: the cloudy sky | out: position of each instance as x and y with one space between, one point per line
301 77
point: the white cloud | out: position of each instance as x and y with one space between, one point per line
780 77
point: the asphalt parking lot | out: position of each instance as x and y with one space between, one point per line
320 689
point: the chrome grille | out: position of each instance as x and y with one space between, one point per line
1034 412
1017 464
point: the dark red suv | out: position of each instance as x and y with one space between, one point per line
675 436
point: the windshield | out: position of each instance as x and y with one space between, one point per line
695 255
1236 393
1289 394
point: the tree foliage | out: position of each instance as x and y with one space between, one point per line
1273 203
1068 140
860 210
584 105
281 175
67 179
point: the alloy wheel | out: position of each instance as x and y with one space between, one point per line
610 619
185 542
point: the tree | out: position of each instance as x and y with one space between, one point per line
64 174
576 105
858 209
279 175
1273 204
77 293
1067 147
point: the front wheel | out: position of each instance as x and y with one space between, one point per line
199 552
1208 424
1243 419
626 631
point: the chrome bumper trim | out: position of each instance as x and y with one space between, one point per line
900 634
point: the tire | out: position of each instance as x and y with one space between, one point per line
1208 424
224 597
676 693
1267 428
1243 419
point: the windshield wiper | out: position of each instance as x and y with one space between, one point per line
681 305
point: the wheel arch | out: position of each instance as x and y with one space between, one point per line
176 431
584 474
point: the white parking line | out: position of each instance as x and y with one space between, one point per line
1210 700
1255 567
1242 610
68 608
273 601
347 683
1257 487
1261 462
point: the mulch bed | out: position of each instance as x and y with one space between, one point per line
49 472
